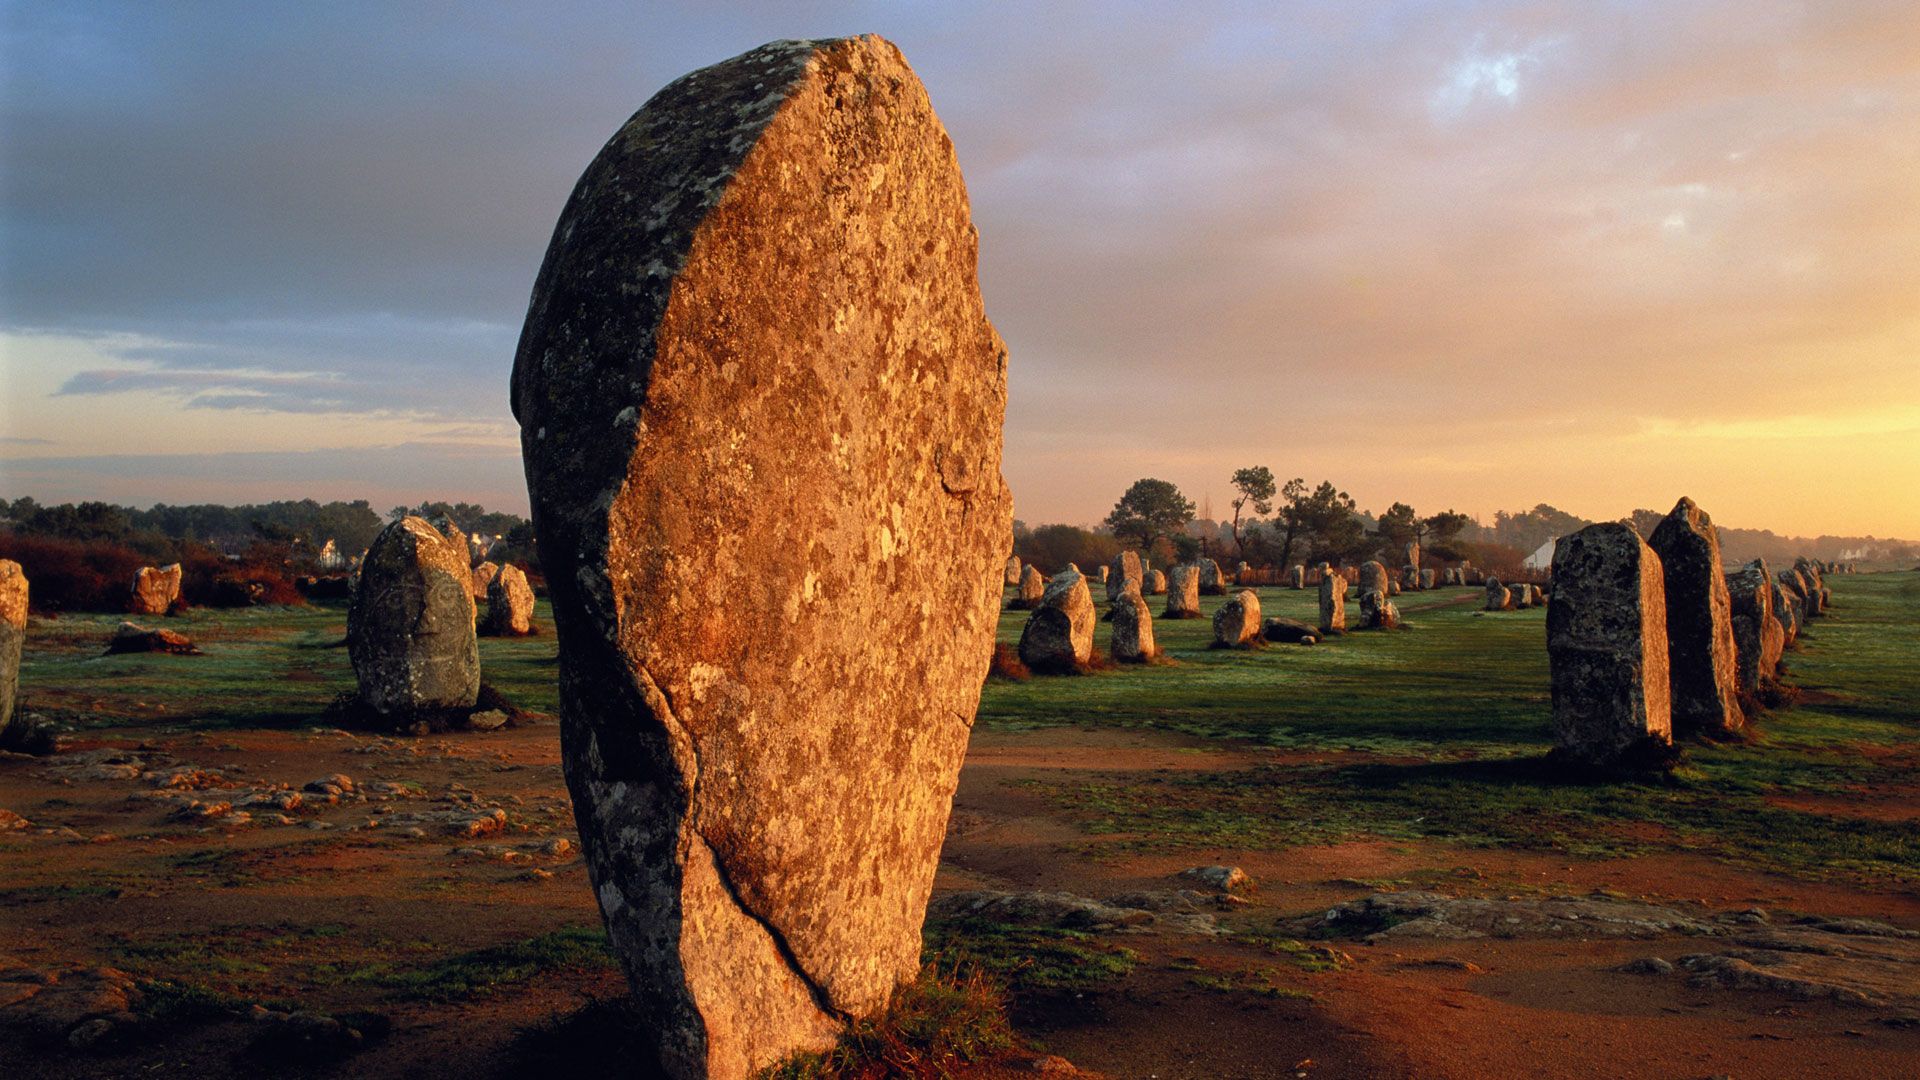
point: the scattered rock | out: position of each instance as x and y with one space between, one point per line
1226 879
130 638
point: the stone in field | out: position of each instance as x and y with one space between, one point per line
1333 604
758 329
1105 572
410 631
1522 595
1033 585
1393 588
1786 609
1607 648
1152 583
1410 577
1013 570
482 578
509 603
1183 593
1125 573
1212 581
13 632
1413 554
155 590
1132 641
1237 624
1377 611
1058 637
1373 578
1758 636
1429 579
1499 597
1297 576
1243 574
1705 697
1816 589
1292 631
130 638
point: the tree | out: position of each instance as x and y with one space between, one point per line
1438 532
1256 488
1397 528
1150 509
1324 520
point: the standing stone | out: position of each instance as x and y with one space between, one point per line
509 603
1333 604
13 633
155 589
1410 577
1033 585
1124 574
1499 597
1074 566
1786 609
1758 637
1297 576
1429 579
1699 628
451 530
1377 612
1058 638
1152 583
1013 570
1816 588
1132 641
482 578
1212 581
1393 588
1522 595
1413 554
1798 590
1237 624
410 630
1183 593
758 329
1105 573
1373 578
1607 647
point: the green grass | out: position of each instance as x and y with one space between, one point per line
487 970
1476 775
1030 957
949 1016
262 667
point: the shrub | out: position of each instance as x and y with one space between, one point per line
74 575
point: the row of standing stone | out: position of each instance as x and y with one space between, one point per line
1653 639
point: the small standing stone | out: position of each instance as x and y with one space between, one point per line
1183 593
1152 583
1499 597
1013 570
1058 637
1758 636
1123 574
410 629
1033 585
1212 581
1373 578
1428 579
1297 576
1333 603
1237 624
155 590
1132 641
509 603
1377 611
482 578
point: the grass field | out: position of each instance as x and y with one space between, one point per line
1377 760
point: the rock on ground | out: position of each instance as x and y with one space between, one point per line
13 632
1183 593
1058 637
132 638
758 328
1236 625
410 631
1292 631
1700 643
1333 603
1033 585
155 590
1607 649
509 603
1132 639
1124 574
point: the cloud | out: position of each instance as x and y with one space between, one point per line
1345 240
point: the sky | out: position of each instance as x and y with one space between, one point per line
1462 255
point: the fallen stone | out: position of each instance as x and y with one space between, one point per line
1293 631
130 638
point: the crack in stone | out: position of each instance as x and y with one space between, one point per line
684 744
